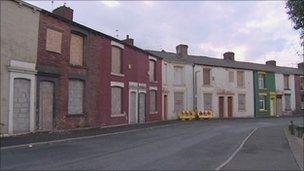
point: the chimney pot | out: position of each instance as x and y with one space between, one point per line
271 63
301 66
64 12
229 56
129 40
182 50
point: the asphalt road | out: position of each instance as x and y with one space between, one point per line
180 146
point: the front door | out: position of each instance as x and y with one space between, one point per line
46 93
141 107
230 107
221 106
279 105
272 106
21 105
165 107
133 108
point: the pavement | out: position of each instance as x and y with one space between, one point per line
190 145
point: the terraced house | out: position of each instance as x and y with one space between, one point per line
227 87
19 40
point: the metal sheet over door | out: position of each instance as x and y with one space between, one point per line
21 106
230 106
141 107
133 111
279 106
46 93
221 106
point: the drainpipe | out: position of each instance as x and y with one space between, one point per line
194 88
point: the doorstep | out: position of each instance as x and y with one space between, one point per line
40 137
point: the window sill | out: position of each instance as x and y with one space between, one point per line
242 87
242 110
287 89
263 110
153 113
77 115
78 66
263 89
179 85
49 51
207 85
117 74
117 115
155 82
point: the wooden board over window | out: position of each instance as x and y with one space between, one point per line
53 40
116 60
76 50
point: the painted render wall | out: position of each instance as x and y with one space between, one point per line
169 88
19 36
219 83
279 82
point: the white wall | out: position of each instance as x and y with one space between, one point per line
169 88
279 80
219 83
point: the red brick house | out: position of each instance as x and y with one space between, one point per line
86 78
299 90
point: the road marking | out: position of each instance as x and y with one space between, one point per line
81 138
236 151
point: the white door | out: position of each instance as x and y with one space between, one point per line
133 108
271 107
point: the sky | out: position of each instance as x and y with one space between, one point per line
256 31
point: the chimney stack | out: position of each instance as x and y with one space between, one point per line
129 40
229 56
64 12
301 66
182 50
271 63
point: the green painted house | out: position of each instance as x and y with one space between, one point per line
264 93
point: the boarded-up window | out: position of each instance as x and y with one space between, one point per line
116 60
152 70
287 102
261 81
76 50
240 79
178 75
286 81
75 97
241 102
53 40
178 101
207 101
206 76
302 83
116 97
231 76
153 101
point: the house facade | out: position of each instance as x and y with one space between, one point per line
19 39
86 78
299 89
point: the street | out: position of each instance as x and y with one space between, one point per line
189 145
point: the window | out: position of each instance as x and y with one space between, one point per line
116 98
231 76
287 102
178 101
153 101
262 102
240 79
76 50
116 60
261 81
76 88
178 75
242 102
207 101
206 75
53 40
152 70
302 83
286 82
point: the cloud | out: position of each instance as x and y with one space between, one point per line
111 3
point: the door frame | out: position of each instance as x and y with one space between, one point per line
223 107
231 106
136 103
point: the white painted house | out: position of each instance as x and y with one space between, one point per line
203 83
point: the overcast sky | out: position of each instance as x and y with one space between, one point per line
255 31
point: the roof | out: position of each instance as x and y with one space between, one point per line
85 28
204 60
